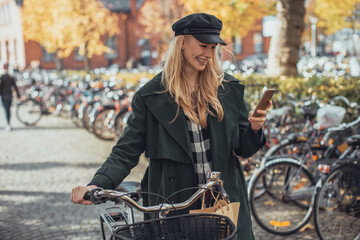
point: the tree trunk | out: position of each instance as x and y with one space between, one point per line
58 63
87 63
86 60
285 44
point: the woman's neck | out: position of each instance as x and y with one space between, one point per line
193 77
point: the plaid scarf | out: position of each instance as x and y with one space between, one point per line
200 146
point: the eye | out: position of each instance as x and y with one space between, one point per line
203 46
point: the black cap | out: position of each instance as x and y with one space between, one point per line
204 27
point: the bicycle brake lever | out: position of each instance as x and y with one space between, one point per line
86 196
94 199
221 190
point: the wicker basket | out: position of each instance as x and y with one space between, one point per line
187 226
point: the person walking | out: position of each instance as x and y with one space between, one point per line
7 86
190 119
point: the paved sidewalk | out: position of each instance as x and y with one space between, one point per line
38 168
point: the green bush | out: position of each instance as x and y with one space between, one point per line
325 88
298 88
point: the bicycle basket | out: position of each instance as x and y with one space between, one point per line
186 226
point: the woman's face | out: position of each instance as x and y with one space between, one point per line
196 53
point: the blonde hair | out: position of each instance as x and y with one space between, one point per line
196 107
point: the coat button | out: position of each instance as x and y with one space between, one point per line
171 179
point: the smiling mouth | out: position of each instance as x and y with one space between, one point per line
201 61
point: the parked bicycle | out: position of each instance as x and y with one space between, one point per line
41 101
286 184
337 196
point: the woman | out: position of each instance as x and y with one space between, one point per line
189 119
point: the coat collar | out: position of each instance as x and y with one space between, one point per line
164 109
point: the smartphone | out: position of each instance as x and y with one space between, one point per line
264 101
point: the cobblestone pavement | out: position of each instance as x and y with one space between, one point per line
38 168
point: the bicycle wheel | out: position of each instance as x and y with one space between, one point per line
260 189
337 205
75 114
119 123
103 126
29 112
88 112
285 205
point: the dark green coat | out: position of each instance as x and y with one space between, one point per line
167 145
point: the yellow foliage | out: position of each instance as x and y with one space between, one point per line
158 17
61 26
238 16
48 23
334 14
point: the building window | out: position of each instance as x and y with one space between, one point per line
8 13
111 43
145 51
46 56
5 15
77 56
2 16
258 43
237 44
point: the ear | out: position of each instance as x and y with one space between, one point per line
183 44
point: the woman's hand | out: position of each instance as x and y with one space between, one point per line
258 122
77 194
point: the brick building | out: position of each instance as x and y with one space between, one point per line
129 44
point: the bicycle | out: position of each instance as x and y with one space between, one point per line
337 196
122 224
40 102
287 183
108 121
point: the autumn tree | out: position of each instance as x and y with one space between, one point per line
334 15
238 16
62 26
158 17
285 43
92 21
50 24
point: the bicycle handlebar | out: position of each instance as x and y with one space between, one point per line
99 195
341 127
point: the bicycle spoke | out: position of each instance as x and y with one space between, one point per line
277 210
333 216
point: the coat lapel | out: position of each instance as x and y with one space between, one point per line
164 110
231 99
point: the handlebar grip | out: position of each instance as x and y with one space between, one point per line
90 196
95 199
87 196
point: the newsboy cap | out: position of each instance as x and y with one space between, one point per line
204 27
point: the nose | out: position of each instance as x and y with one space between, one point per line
208 52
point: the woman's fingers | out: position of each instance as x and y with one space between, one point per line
77 195
257 122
